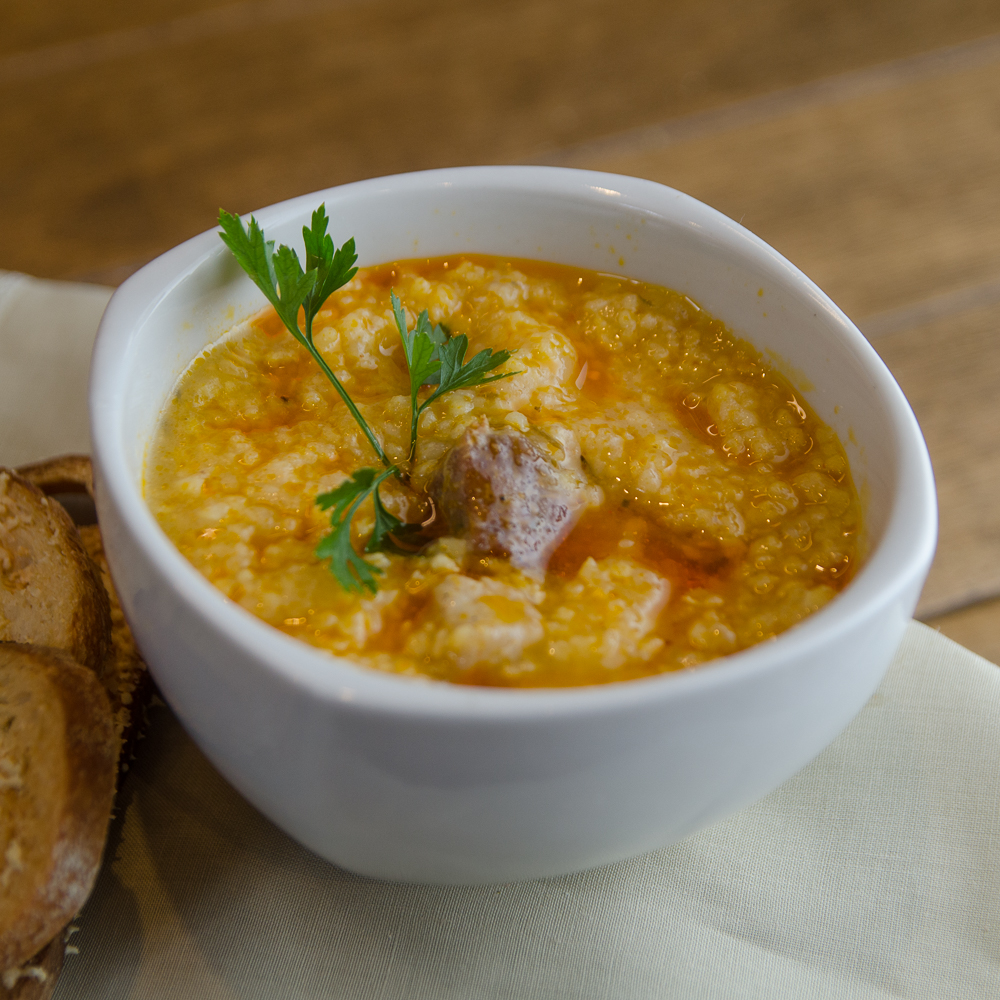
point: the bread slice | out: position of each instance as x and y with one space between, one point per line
65 474
125 676
50 592
36 979
127 685
58 764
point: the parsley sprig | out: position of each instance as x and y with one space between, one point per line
433 358
347 566
289 289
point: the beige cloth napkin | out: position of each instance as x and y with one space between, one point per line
874 873
46 333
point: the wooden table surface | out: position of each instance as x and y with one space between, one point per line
860 139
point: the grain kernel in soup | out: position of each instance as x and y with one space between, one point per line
673 499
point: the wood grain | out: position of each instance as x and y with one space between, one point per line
977 628
30 27
109 164
950 372
126 125
884 200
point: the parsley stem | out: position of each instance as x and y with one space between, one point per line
414 420
307 340
433 358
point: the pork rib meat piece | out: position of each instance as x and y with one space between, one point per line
510 493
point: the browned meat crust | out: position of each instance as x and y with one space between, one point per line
58 762
502 491
50 591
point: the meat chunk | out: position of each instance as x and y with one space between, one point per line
510 494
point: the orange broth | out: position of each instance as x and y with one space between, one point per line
720 508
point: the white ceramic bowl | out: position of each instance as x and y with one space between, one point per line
428 782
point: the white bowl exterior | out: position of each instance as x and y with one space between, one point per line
431 782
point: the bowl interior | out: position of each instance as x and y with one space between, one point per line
167 313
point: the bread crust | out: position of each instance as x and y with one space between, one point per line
36 979
65 474
86 738
51 593
61 754
125 676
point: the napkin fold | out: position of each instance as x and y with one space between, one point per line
873 873
47 330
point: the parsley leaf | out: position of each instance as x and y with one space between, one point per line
253 253
455 375
439 336
288 288
353 572
422 349
294 286
432 358
334 268
419 345
389 530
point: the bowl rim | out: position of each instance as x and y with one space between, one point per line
900 558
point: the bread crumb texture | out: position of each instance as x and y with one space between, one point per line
59 758
50 591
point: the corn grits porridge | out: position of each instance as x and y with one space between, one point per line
644 495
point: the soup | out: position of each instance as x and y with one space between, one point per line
645 494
